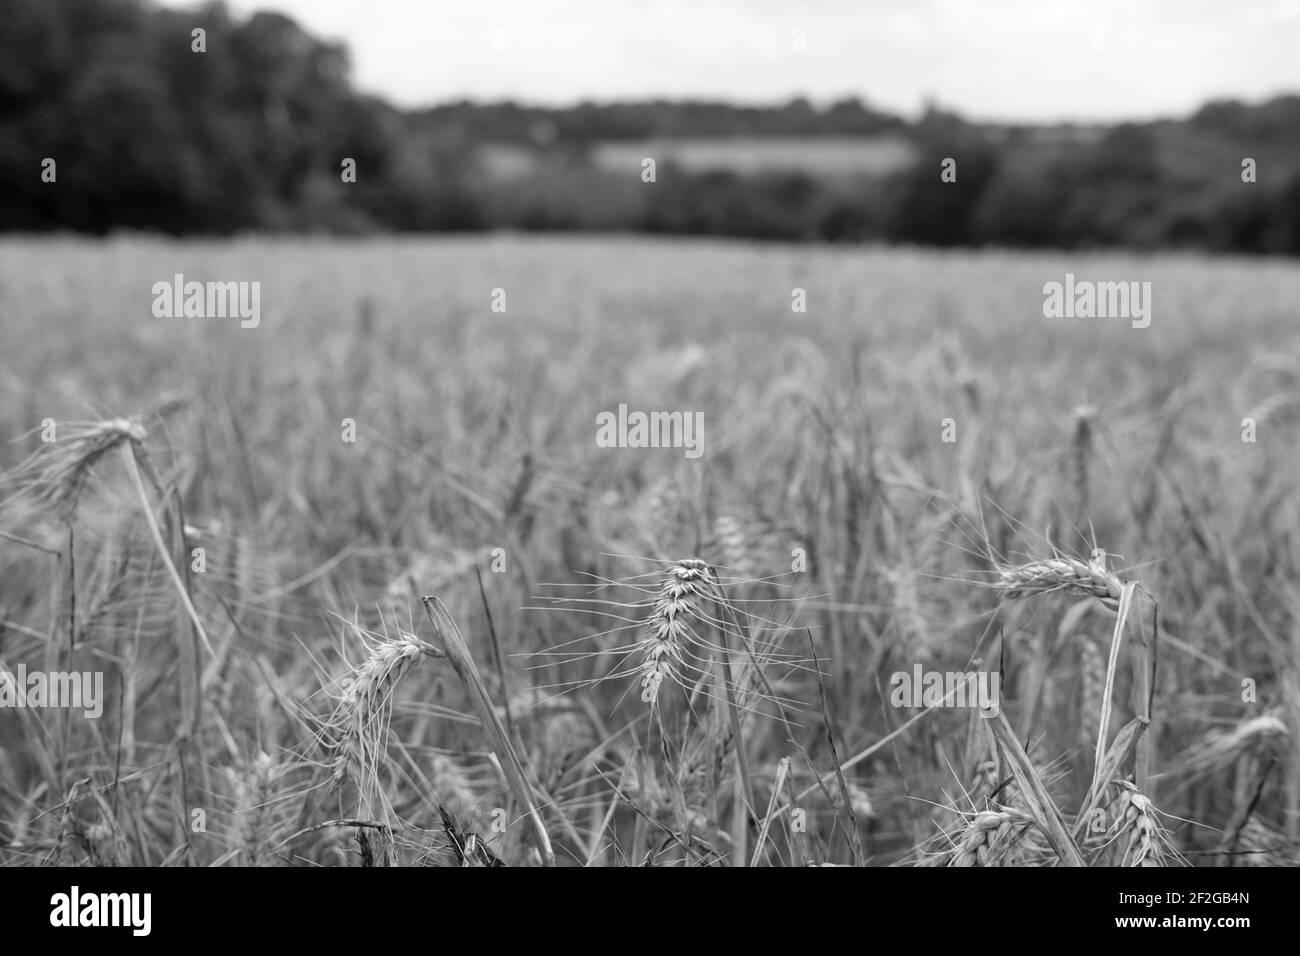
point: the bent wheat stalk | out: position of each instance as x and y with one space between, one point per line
1121 750
1041 806
129 453
1122 608
453 645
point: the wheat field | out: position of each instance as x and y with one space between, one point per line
474 636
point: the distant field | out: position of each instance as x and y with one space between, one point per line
833 156
823 432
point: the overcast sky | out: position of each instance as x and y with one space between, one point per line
990 59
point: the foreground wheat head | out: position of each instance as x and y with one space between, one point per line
356 732
670 642
985 839
358 727
1061 574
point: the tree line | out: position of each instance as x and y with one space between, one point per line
111 118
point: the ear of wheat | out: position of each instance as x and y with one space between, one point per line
1134 833
1061 574
1092 690
56 474
106 842
259 813
731 542
1219 748
978 840
452 787
671 648
358 727
357 732
984 838
1081 453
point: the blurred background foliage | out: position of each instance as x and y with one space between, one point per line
249 136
